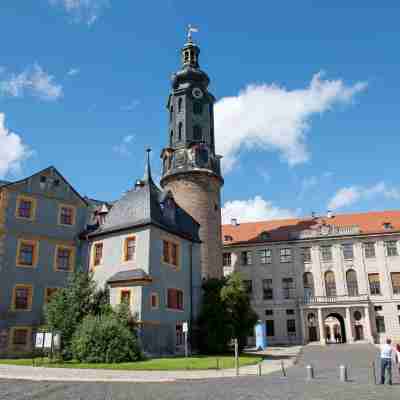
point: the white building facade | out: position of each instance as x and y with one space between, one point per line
321 279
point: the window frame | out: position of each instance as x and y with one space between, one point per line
268 289
71 265
367 253
345 247
20 348
396 291
375 292
395 248
227 255
35 252
71 207
272 322
285 255
169 306
264 257
29 299
322 252
291 327
288 288
127 239
170 245
48 296
33 202
157 297
246 257
122 292
95 245
307 259
379 327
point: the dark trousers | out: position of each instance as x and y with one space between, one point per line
386 365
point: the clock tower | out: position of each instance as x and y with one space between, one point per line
191 169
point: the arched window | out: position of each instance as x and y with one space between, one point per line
308 283
197 136
180 127
330 284
351 280
180 104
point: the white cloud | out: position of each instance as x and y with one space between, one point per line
273 118
73 71
123 147
87 11
12 150
33 81
252 210
350 195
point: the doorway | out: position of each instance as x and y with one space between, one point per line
312 334
359 333
335 331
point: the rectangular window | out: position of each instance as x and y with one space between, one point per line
180 338
20 338
291 327
269 312
26 208
306 253
171 253
22 298
227 259
66 215
268 292
49 292
265 256
269 327
245 257
380 324
175 299
64 258
288 288
391 248
166 251
98 254
285 255
374 284
378 308
125 297
130 248
347 250
26 255
326 253
154 301
289 312
396 282
369 250
248 285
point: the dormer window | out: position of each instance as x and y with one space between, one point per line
387 225
264 235
43 179
228 238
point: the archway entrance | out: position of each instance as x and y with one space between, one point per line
334 328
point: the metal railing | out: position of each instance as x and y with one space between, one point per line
333 299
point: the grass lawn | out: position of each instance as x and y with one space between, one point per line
155 364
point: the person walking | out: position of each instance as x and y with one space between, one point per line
398 357
386 361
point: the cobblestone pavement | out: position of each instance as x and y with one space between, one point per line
326 385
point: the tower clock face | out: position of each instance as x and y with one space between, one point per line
197 93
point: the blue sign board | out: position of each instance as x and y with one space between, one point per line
261 337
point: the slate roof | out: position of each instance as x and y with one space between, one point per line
129 275
285 229
144 204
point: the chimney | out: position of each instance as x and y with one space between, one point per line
234 222
102 214
329 214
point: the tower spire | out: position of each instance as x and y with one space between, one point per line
147 178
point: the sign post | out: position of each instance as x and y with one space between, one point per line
236 356
185 329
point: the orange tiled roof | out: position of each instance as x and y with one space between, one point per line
283 229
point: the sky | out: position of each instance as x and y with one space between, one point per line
307 114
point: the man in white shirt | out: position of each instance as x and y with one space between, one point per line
386 361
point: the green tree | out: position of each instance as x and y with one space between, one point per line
107 338
68 307
237 303
214 324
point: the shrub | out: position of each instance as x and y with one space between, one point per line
105 339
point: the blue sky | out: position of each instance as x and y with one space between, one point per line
307 115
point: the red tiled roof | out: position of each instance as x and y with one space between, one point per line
369 222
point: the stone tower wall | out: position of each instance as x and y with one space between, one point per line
198 193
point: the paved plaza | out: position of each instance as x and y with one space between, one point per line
270 387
